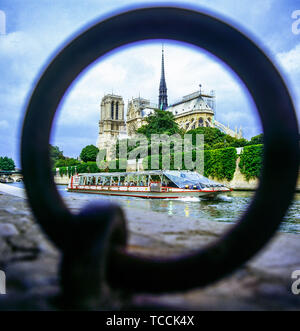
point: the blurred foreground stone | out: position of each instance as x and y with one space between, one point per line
31 262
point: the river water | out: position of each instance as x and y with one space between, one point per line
227 208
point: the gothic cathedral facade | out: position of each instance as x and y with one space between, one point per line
192 111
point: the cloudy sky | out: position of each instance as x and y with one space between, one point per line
37 29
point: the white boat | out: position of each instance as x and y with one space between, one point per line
6 180
159 184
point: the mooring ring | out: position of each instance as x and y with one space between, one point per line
281 156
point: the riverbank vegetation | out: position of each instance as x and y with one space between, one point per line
220 151
7 164
251 161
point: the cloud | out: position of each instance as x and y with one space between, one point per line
290 60
4 125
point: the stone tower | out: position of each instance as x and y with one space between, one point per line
163 97
112 123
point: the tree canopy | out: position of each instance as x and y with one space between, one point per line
7 163
55 153
256 140
160 122
66 162
216 139
89 153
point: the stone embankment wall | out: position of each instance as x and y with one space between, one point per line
31 263
239 182
61 180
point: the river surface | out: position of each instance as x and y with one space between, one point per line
227 208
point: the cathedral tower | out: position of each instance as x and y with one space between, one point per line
112 123
163 97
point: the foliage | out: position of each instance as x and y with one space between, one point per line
116 164
257 140
214 138
62 171
82 168
55 154
160 122
7 163
235 142
86 167
156 158
92 167
220 163
251 161
89 153
66 162
211 135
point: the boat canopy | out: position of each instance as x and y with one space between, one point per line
184 178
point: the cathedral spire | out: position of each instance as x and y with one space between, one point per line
163 97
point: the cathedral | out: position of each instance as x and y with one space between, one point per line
191 111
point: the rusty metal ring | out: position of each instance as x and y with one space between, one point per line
281 158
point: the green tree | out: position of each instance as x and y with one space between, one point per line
89 153
7 163
67 162
212 136
160 122
215 139
257 140
55 154
251 161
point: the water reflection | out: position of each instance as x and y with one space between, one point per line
225 209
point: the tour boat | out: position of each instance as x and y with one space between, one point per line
159 184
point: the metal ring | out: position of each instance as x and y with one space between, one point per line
281 158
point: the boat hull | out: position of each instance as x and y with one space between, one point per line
150 195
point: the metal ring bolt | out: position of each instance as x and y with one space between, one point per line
83 239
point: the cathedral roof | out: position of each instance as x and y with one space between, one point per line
190 105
